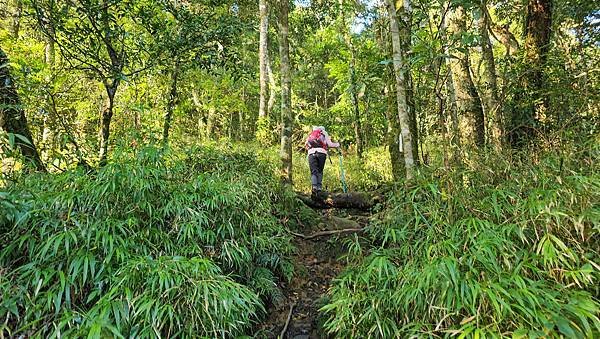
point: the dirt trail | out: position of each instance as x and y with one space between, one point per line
317 263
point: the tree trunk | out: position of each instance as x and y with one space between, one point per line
117 62
234 125
473 106
172 102
50 53
137 113
455 142
201 119
403 113
287 118
46 144
243 128
12 116
137 119
406 42
412 115
440 101
272 84
50 57
235 121
262 57
210 122
468 97
107 113
357 122
393 135
537 39
15 26
393 129
491 83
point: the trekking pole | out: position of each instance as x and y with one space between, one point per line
342 173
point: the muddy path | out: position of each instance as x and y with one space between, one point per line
317 261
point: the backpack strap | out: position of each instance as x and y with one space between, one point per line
323 141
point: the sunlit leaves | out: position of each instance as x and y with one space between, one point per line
479 253
147 245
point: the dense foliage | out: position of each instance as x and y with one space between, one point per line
481 251
154 208
152 244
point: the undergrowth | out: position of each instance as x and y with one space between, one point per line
507 248
154 244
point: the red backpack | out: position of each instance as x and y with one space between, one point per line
316 139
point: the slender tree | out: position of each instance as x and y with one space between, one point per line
172 100
287 118
17 12
391 109
272 85
405 15
12 116
353 92
49 59
455 141
263 58
399 72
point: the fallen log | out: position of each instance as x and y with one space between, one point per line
357 200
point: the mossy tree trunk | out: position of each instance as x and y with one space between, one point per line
107 113
17 12
469 102
452 107
12 116
393 135
538 29
490 78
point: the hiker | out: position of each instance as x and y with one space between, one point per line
317 144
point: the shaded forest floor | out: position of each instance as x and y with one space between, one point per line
318 260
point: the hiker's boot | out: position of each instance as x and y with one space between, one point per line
322 194
316 194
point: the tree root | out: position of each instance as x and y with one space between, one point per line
324 233
287 322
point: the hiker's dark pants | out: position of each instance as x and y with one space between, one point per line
316 162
